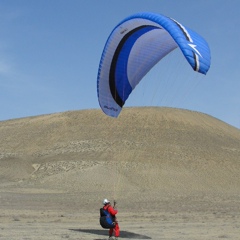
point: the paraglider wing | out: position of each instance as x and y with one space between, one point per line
134 46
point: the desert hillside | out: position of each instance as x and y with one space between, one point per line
174 173
166 150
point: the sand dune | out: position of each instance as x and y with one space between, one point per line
175 174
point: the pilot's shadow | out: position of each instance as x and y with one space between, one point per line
102 232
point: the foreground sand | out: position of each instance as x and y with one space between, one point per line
38 214
29 216
175 176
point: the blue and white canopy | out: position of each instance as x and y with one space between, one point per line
135 45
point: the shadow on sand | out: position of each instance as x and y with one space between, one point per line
123 234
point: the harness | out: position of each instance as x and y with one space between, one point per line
106 220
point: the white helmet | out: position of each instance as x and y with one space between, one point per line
105 201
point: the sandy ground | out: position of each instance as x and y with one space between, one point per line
205 221
175 178
55 216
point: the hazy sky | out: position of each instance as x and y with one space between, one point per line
50 52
